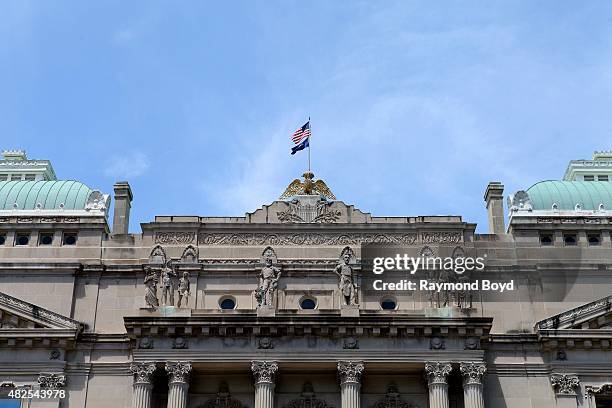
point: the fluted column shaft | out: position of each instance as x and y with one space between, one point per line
178 383
437 374
264 373
472 374
142 387
349 374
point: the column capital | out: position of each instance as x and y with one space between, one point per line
178 372
264 371
52 380
437 372
472 372
565 384
350 371
143 372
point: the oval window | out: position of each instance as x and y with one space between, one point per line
388 304
227 303
308 304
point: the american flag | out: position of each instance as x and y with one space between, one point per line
302 133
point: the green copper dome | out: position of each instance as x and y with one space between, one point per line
49 195
566 194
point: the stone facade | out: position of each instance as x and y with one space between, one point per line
273 311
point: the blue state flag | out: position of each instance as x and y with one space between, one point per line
304 144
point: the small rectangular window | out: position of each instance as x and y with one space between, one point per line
22 238
70 238
45 238
15 177
589 178
3 177
602 177
2 239
30 177
546 239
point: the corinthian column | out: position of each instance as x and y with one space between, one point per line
349 373
438 386
264 373
472 384
143 387
178 383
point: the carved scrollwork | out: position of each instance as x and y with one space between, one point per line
306 238
350 371
472 373
309 212
178 372
143 372
565 383
437 372
441 237
174 238
52 380
264 371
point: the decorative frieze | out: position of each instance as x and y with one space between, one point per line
350 371
174 238
565 384
52 380
441 237
306 238
264 371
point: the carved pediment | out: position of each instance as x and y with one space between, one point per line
594 315
16 313
23 323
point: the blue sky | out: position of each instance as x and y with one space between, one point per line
415 106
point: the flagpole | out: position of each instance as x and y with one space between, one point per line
309 124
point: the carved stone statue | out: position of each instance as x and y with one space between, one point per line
268 282
167 281
347 281
150 282
183 289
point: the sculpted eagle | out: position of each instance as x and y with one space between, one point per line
307 187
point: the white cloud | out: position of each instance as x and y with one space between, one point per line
127 165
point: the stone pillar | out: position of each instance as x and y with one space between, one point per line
565 389
349 374
472 374
143 387
178 383
494 198
123 204
437 372
264 373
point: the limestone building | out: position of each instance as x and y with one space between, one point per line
273 309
